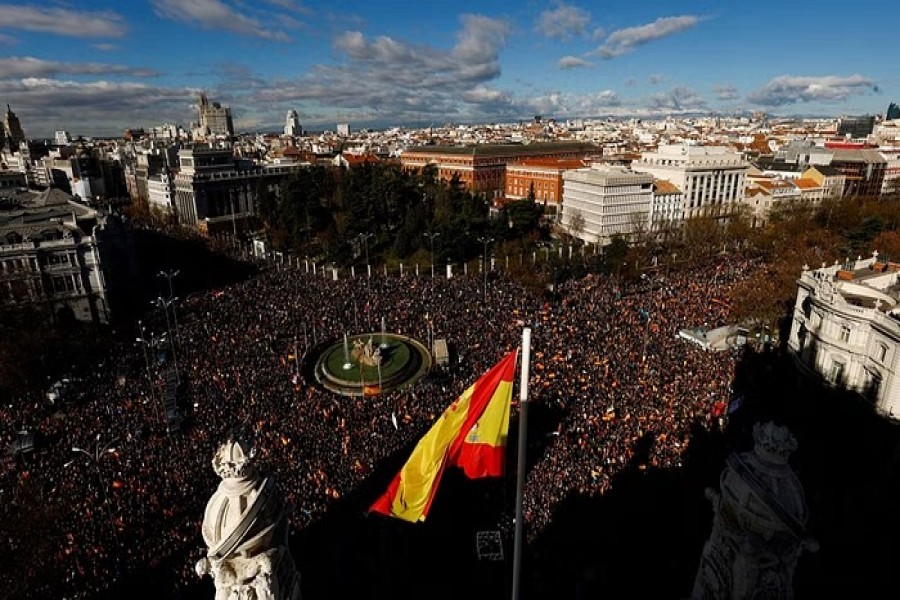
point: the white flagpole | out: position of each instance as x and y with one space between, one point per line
520 469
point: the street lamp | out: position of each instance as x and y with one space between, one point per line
169 275
485 241
165 304
431 237
94 458
364 238
144 344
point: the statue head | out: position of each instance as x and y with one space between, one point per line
773 443
234 459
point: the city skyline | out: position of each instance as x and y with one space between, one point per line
95 68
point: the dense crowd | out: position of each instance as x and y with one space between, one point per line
606 360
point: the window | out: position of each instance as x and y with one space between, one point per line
882 352
837 372
845 333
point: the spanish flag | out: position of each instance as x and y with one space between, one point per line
471 434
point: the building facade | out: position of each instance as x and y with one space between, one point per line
12 129
711 178
601 201
50 257
215 119
211 184
542 177
846 329
667 210
292 124
481 169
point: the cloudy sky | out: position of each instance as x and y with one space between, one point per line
95 67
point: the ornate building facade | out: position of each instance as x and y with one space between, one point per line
846 328
50 256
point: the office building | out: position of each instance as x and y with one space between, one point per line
856 127
893 112
12 129
602 201
292 124
215 119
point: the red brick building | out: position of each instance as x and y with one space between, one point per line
543 175
482 168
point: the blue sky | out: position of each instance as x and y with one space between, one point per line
96 67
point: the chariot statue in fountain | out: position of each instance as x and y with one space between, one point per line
245 529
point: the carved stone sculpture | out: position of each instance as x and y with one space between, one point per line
245 530
759 525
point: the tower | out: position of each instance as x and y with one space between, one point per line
13 133
292 124
215 118
893 112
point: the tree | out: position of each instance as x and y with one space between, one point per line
576 224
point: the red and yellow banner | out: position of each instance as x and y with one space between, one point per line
471 434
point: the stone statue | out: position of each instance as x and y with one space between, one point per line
759 525
366 354
245 530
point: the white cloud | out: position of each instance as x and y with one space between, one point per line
726 92
563 22
679 99
485 95
390 79
573 62
557 103
104 47
623 41
15 67
292 5
655 79
598 34
57 104
216 14
790 89
62 21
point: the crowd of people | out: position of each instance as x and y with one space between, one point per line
606 360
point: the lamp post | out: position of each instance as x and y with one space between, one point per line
169 275
430 235
144 344
485 241
364 238
165 304
94 458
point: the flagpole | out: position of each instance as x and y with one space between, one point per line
520 469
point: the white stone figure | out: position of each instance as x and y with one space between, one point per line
245 530
759 525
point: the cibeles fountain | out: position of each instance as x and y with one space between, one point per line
246 531
759 527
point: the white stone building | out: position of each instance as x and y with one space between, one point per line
161 191
50 256
292 124
710 177
846 328
608 201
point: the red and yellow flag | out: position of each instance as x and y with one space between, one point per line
471 434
